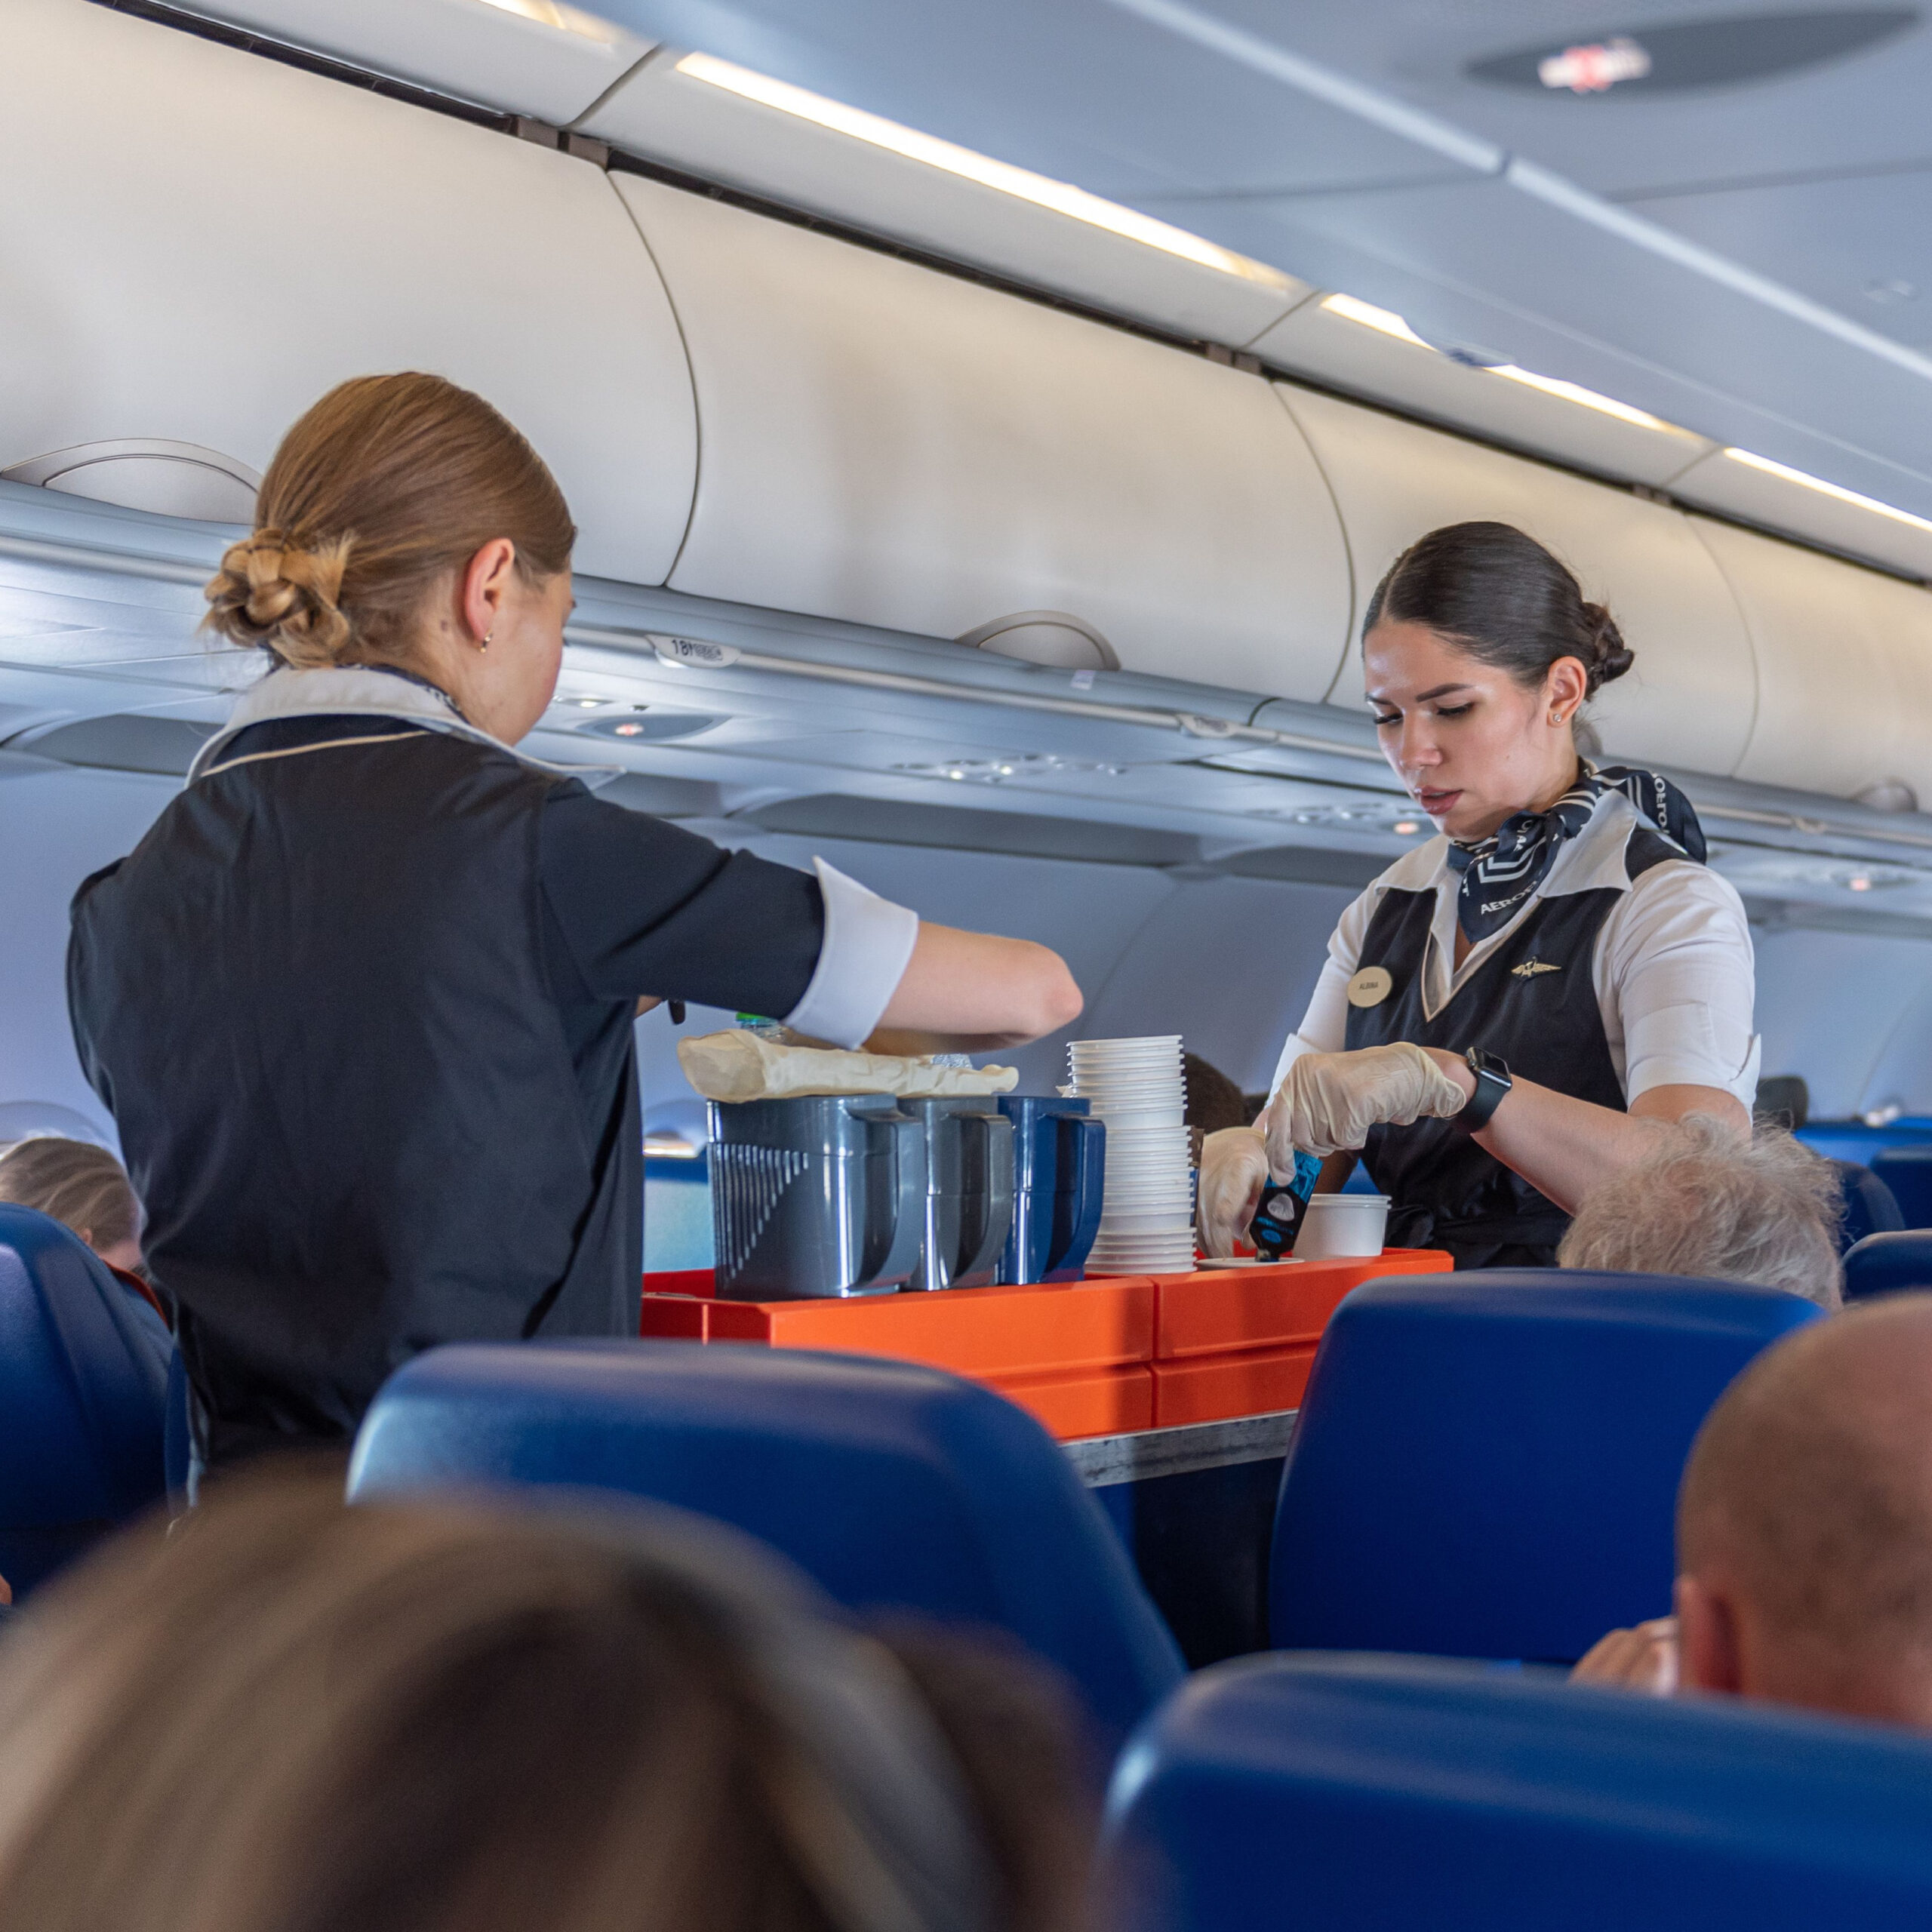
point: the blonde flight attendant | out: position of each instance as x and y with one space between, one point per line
360 1002
1512 1009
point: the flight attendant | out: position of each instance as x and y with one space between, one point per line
360 1002
1513 1009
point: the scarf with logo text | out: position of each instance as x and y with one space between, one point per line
1499 873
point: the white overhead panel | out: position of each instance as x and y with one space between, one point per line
890 445
711 131
1355 346
1688 701
1737 483
199 243
1844 661
538 57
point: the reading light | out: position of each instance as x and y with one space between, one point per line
1859 882
1061 196
555 13
1405 826
1824 489
1576 392
1370 317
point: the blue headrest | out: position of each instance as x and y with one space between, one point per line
1907 1171
1884 1264
895 1486
1870 1206
1358 1792
1486 1463
83 1382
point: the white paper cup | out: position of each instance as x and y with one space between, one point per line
1334 1225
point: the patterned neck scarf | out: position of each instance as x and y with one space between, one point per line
1501 872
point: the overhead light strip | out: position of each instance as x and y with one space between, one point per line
565 19
1385 321
1060 196
1752 461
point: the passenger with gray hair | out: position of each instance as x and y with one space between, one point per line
1709 1201
1804 1531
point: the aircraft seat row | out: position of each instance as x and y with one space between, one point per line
1484 1468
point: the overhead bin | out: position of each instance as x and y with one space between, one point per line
1317 340
1740 485
666 115
1690 698
197 243
1844 661
886 444
540 57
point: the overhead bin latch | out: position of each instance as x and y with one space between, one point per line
1196 727
691 652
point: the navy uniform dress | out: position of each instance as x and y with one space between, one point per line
360 1004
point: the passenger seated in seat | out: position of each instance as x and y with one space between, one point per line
1708 1202
293 1716
87 1189
1804 1531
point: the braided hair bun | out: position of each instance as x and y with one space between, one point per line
274 593
1608 657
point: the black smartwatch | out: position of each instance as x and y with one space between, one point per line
1492 1081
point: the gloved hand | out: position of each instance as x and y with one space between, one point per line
1233 1170
1327 1102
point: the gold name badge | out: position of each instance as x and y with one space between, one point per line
1371 986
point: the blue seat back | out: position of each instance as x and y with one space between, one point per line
1887 1264
1853 1140
1486 1464
83 1381
1340 1794
1870 1207
896 1486
1907 1171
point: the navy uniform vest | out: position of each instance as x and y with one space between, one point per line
1533 1002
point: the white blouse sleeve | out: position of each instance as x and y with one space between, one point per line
1325 1027
867 946
1677 982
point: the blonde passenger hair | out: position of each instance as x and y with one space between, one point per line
478 1714
84 1187
383 487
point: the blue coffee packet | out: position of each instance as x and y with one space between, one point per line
1283 1203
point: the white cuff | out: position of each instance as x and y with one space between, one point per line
868 945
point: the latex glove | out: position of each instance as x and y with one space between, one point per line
1327 1102
1644 1659
1233 1170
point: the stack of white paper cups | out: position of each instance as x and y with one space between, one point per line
1136 1086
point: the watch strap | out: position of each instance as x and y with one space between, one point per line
1493 1082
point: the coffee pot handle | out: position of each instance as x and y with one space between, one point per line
1088 1193
908 1224
979 1270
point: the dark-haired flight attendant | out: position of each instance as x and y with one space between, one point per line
1511 1010
360 1002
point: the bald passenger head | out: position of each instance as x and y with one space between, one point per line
1804 1521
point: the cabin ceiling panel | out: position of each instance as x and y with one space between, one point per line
255 234
900 448
1687 702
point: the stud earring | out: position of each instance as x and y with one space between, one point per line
483 643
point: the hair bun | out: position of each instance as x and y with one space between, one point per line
1609 656
274 593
